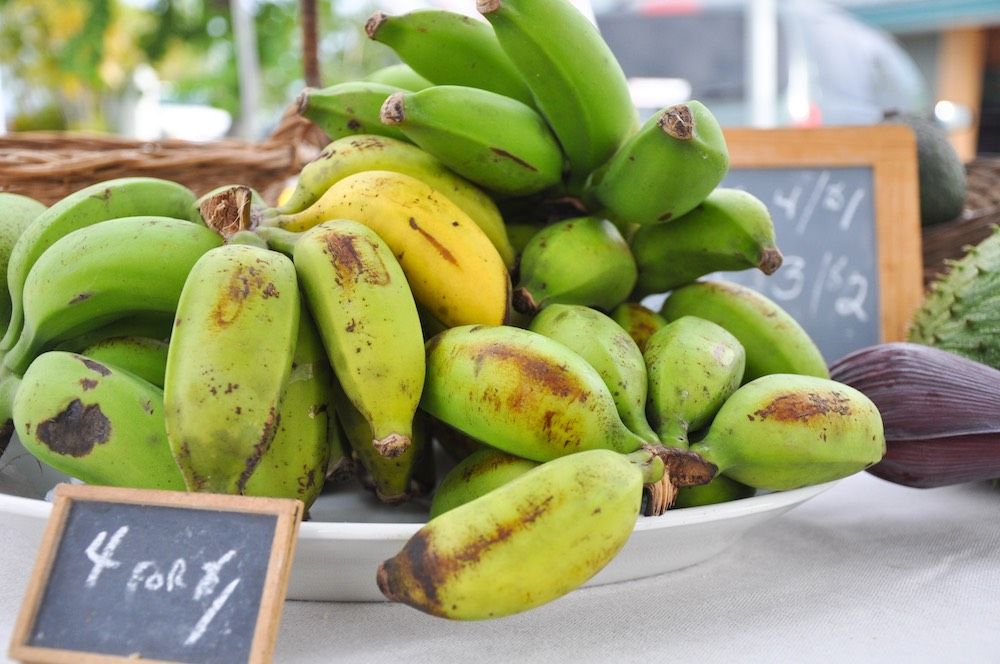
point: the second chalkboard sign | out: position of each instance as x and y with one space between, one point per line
156 575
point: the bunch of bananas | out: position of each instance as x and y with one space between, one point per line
461 264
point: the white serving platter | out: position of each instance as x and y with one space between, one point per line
349 533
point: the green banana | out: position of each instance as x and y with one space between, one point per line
295 463
667 168
574 77
16 213
729 230
399 76
694 365
774 342
145 357
522 393
391 478
720 490
640 322
610 350
577 261
95 422
157 325
348 108
526 543
354 154
520 235
104 272
113 199
492 140
450 49
475 476
229 360
366 315
785 431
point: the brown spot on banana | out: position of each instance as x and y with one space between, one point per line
441 249
374 22
804 405
80 297
517 160
88 384
770 260
534 369
76 430
259 449
349 263
95 366
242 283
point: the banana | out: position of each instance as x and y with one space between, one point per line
694 365
142 356
399 76
520 235
667 168
730 230
784 431
640 322
577 261
368 321
526 543
95 422
497 142
774 342
229 360
16 213
104 272
720 490
450 49
391 478
156 326
575 79
475 476
113 199
348 108
522 393
456 444
355 154
453 269
608 349
296 462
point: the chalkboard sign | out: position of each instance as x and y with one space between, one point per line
845 206
158 575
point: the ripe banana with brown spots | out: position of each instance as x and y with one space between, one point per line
368 321
526 543
229 360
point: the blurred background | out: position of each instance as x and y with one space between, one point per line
206 69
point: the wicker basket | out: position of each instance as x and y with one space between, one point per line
982 210
50 165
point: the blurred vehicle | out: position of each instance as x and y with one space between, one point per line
831 68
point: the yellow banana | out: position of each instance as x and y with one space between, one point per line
452 267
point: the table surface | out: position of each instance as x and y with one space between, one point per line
865 572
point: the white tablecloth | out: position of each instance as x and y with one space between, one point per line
866 572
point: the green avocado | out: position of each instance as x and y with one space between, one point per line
941 172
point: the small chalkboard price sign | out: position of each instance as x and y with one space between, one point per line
161 576
845 205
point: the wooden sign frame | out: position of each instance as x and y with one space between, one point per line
288 513
891 152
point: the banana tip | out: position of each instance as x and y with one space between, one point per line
393 109
487 6
374 22
523 301
392 445
382 579
770 260
302 101
677 122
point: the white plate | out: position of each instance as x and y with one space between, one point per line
350 534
